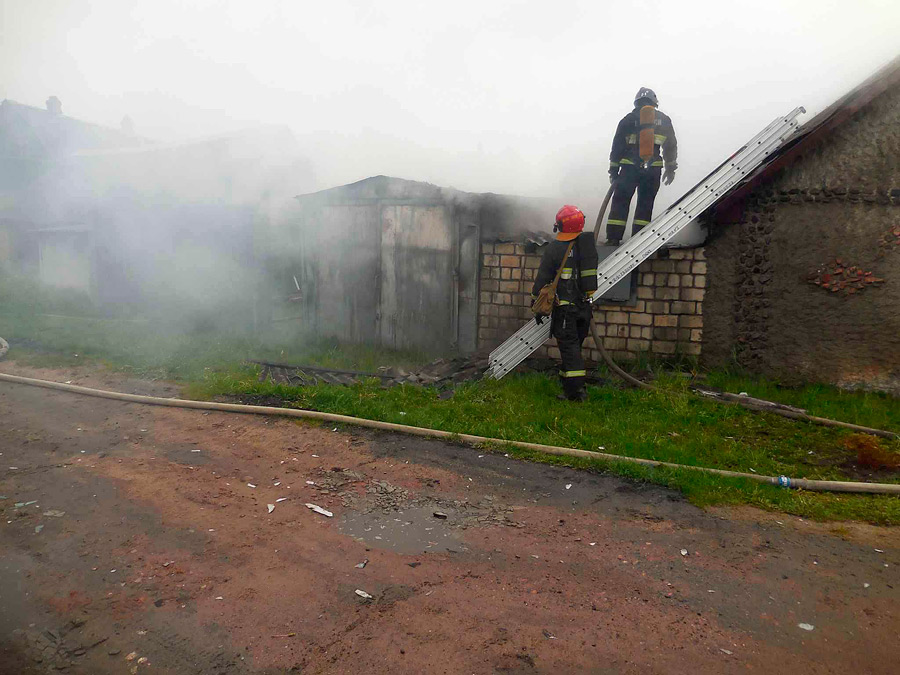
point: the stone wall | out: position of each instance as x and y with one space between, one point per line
806 286
666 319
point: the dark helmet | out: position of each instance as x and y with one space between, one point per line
648 94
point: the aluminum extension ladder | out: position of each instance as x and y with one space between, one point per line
636 250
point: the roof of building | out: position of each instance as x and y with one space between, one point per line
30 132
379 188
502 217
812 133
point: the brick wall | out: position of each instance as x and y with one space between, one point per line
666 319
507 274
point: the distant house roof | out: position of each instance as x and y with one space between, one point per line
245 143
27 132
810 135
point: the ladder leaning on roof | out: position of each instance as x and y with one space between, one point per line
636 250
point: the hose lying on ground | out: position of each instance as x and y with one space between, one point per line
783 481
613 366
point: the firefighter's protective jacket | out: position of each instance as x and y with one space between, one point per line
625 142
579 276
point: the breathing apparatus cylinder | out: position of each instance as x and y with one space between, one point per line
646 137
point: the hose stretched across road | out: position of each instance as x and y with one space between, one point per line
783 481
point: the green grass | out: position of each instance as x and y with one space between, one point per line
669 424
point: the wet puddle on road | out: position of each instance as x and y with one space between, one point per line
409 530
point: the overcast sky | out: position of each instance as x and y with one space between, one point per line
504 96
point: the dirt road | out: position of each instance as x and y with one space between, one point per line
139 540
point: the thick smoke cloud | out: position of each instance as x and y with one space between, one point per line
512 97
244 105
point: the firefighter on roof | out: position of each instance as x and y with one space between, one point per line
571 315
644 143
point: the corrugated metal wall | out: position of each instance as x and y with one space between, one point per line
417 301
338 263
385 271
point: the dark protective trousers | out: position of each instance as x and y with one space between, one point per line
631 178
570 324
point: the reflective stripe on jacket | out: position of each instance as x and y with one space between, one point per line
578 277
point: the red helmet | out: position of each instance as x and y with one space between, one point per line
569 222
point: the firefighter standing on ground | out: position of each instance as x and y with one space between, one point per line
571 317
644 143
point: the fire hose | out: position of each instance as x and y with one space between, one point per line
609 194
782 481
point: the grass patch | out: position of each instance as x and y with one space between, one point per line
669 424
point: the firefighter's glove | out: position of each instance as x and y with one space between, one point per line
539 319
669 175
613 174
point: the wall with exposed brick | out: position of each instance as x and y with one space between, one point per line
507 274
807 285
665 321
